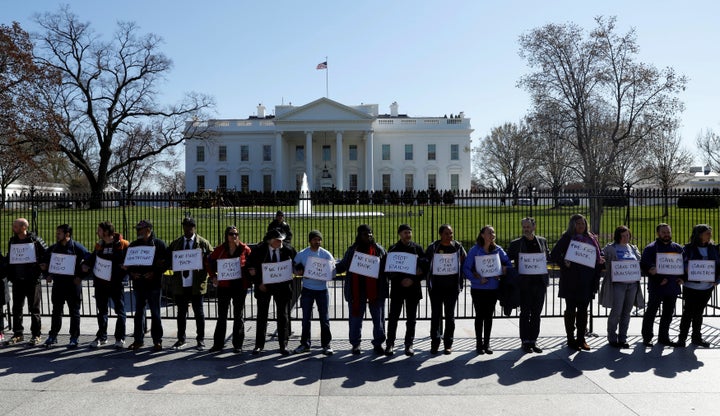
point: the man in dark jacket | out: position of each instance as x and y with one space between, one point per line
146 271
23 271
405 288
63 262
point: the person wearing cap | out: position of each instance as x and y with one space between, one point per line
445 281
232 289
146 284
405 289
367 290
279 223
314 290
189 286
67 284
271 250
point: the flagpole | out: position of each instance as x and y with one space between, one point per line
327 94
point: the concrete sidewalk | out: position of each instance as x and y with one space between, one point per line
604 381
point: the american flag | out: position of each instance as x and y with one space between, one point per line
321 65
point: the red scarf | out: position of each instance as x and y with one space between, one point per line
371 291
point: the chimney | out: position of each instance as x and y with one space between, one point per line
394 109
261 111
461 115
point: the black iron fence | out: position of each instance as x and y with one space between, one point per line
337 214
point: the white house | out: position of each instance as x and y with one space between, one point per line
338 146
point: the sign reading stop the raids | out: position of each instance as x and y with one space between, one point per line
365 265
22 253
701 271
62 264
488 265
445 264
398 262
581 253
140 256
102 269
319 269
187 260
625 271
669 263
229 269
532 263
277 272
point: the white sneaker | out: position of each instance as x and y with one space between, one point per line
120 344
98 342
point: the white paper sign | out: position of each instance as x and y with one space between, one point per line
625 271
319 269
62 264
365 265
581 253
398 262
229 269
669 263
488 265
701 271
22 253
532 263
187 260
140 256
102 269
445 264
277 272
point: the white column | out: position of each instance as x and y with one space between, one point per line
369 162
280 171
309 160
340 175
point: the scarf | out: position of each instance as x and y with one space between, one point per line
358 284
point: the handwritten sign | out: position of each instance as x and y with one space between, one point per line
532 263
488 265
229 269
625 271
365 264
701 271
319 269
581 253
187 260
398 262
140 256
102 269
277 272
445 264
22 253
62 264
669 263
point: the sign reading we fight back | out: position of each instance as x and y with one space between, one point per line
581 253
365 265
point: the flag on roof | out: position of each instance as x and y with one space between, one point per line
322 65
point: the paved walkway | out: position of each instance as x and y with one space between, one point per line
604 381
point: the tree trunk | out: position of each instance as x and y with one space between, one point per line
596 211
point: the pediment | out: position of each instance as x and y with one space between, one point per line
323 109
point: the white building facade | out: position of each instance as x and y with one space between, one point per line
337 146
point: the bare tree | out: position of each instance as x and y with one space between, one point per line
107 90
503 158
607 101
708 143
667 159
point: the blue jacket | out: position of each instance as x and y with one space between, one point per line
468 267
647 261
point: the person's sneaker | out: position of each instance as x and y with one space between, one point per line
180 344
98 342
73 343
157 347
536 349
120 344
302 348
389 350
527 348
216 348
15 340
378 350
409 351
200 346
700 343
356 351
135 345
36 340
328 351
50 342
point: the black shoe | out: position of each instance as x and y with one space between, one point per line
615 344
700 343
434 348
216 348
356 351
536 349
157 347
378 350
389 350
447 351
200 346
479 351
284 352
624 345
488 351
527 349
648 344
668 343
180 344
409 351
257 350
237 350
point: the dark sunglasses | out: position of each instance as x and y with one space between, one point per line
233 234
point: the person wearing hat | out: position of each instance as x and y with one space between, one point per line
314 290
365 290
271 250
405 289
279 223
147 284
234 289
189 286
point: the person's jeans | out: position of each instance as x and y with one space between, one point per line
104 292
651 310
397 301
22 290
532 299
619 319
237 296
442 302
322 299
377 312
182 301
147 297
64 291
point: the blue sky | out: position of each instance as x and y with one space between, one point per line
433 58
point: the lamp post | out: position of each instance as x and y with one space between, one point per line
123 203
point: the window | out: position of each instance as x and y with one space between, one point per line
431 152
222 182
353 182
386 152
386 182
267 153
267 183
244 153
326 156
432 181
352 152
409 186
408 152
244 183
222 154
200 154
299 153
454 152
454 182
200 183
